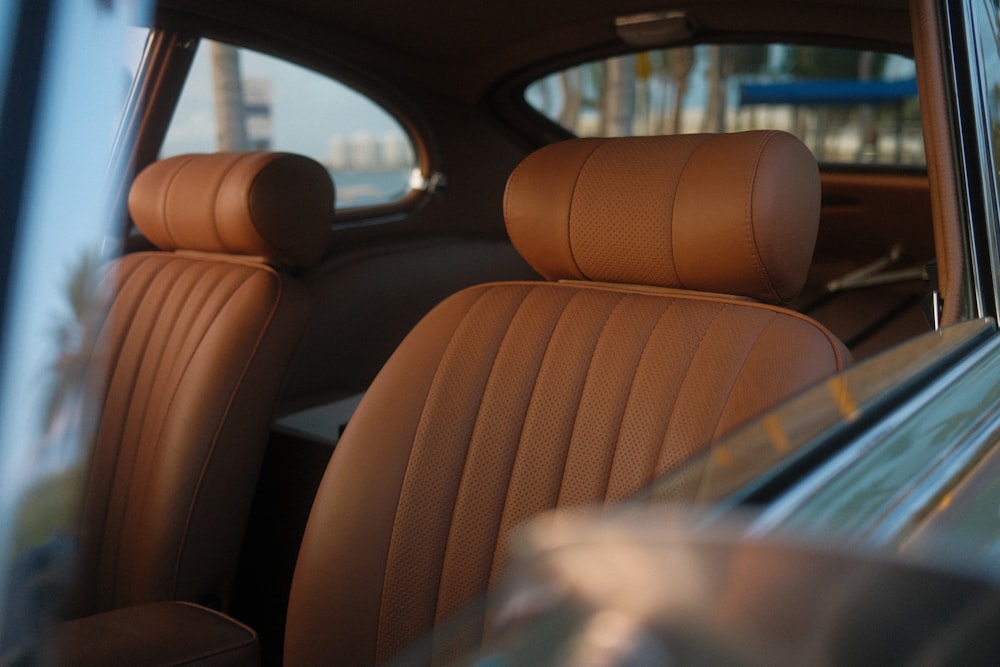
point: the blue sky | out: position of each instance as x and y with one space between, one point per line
307 108
67 213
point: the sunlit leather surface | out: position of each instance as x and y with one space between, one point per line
196 344
278 206
510 399
730 214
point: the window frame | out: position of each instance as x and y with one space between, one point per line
163 72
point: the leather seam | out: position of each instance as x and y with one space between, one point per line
219 190
739 374
383 614
133 473
628 399
583 391
101 535
237 388
673 212
750 226
569 209
166 200
270 248
520 438
468 447
657 469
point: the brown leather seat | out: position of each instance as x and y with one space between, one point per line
656 335
197 343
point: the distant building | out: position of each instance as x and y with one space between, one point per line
397 153
363 151
257 113
339 157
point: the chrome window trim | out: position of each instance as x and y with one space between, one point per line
960 55
797 510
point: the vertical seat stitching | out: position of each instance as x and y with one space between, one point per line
238 385
383 614
576 419
520 438
772 318
124 281
631 392
154 445
476 421
686 374
137 411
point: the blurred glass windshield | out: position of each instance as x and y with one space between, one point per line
848 106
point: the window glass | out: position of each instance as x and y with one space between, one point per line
54 300
7 35
989 36
848 106
238 99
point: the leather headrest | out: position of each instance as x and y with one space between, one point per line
726 213
277 206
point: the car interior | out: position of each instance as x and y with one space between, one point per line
199 336
322 422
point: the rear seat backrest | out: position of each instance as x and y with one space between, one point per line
510 399
197 344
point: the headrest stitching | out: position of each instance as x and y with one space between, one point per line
506 195
673 209
273 244
755 251
166 200
572 198
250 209
220 188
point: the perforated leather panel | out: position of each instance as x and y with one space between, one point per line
723 213
273 205
508 400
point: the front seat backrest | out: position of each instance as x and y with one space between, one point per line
508 399
197 342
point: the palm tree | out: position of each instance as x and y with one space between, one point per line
572 92
230 115
680 61
714 119
618 97
76 335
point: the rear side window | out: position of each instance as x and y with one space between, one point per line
848 106
239 99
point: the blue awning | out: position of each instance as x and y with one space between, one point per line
828 92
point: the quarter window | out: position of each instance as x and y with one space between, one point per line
848 106
238 99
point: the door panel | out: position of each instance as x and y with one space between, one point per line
880 223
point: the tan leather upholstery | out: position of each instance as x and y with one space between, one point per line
162 634
196 345
278 206
510 399
731 214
